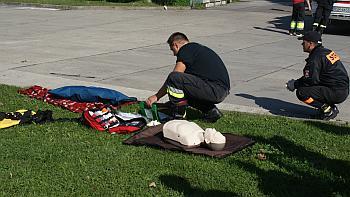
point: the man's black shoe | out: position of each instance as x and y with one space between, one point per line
212 115
329 113
179 112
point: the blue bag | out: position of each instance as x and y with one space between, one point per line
91 94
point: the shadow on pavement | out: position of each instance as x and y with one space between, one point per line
272 30
283 23
341 28
282 2
305 177
282 108
278 25
183 186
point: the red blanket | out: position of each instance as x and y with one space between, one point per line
41 93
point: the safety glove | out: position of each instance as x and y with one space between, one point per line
290 85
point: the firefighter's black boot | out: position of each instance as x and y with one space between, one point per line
328 112
212 115
321 30
178 109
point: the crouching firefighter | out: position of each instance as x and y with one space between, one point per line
199 79
325 81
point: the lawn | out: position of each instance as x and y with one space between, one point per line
66 158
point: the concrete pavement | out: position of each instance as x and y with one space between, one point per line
126 50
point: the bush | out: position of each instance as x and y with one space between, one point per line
172 2
120 1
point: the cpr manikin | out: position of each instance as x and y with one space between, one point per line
185 132
190 134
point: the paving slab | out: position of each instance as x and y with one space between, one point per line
126 50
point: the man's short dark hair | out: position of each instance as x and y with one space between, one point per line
177 36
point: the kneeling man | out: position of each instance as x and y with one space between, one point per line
199 79
325 81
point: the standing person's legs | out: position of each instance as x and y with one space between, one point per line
300 19
293 21
317 18
325 19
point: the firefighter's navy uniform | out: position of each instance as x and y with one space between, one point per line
323 11
324 81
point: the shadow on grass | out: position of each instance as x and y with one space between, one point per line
77 120
312 175
183 186
331 128
282 108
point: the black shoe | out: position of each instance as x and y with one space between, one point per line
291 32
298 34
179 112
212 115
321 30
329 112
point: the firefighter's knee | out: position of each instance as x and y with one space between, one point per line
301 94
174 77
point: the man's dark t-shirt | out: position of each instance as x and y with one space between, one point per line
204 63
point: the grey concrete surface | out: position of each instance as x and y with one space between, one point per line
126 50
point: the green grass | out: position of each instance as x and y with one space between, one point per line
304 158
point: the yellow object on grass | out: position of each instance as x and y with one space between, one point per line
5 123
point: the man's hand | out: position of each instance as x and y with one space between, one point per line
290 85
152 99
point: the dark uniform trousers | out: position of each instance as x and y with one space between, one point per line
298 13
316 96
322 15
323 11
200 94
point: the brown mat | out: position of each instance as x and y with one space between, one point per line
153 136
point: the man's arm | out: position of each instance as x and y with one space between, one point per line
313 75
308 5
179 67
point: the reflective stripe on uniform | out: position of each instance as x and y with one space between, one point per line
300 25
315 24
326 109
292 24
323 26
177 93
309 100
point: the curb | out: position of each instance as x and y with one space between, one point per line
107 7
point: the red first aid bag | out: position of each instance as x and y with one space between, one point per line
113 122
